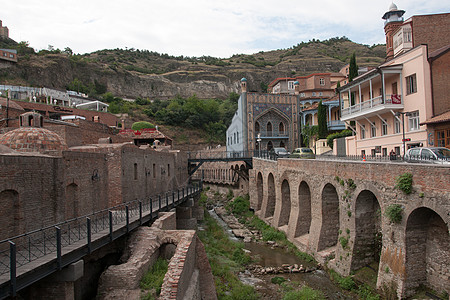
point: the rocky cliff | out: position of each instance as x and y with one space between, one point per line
135 73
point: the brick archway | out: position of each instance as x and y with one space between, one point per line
427 251
330 218
285 210
270 208
304 216
367 236
259 191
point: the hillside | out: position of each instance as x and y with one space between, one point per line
132 73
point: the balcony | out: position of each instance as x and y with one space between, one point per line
336 125
273 134
372 107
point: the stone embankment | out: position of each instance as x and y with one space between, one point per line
188 276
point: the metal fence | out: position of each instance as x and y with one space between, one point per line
21 250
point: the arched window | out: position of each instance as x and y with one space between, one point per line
269 145
281 128
269 129
257 129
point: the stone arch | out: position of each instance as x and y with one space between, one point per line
10 206
367 236
259 190
304 207
72 201
270 208
427 251
285 210
329 231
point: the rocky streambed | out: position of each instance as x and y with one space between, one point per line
273 263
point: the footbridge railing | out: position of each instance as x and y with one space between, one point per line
29 257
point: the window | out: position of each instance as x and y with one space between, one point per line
290 85
168 170
426 154
313 93
384 128
269 128
396 126
154 170
320 94
411 84
363 131
302 94
373 131
322 81
413 120
135 172
237 137
281 128
384 151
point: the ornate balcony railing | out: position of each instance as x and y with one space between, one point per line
393 101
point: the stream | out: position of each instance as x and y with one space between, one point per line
267 256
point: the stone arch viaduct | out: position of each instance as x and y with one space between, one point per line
337 211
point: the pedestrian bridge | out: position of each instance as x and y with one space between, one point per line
30 257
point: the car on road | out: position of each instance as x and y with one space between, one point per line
302 153
276 153
438 155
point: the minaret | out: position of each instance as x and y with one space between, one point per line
244 85
393 19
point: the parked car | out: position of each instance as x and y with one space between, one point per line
302 153
276 153
439 155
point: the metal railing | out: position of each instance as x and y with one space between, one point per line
366 105
49 243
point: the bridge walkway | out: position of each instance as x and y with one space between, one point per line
30 257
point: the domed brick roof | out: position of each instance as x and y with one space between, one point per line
33 139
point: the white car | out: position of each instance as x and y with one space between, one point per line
439 155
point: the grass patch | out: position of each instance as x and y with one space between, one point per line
152 281
226 258
305 293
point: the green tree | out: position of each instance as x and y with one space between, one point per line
68 51
322 120
309 134
353 68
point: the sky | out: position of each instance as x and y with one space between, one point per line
200 27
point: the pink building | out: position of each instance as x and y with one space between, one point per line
388 107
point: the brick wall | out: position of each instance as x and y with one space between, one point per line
437 24
356 214
440 79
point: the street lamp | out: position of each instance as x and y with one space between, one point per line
404 140
259 144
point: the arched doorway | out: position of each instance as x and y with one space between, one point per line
259 191
368 238
427 251
330 218
285 204
269 145
270 209
304 210
12 213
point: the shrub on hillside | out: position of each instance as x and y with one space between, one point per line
142 125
